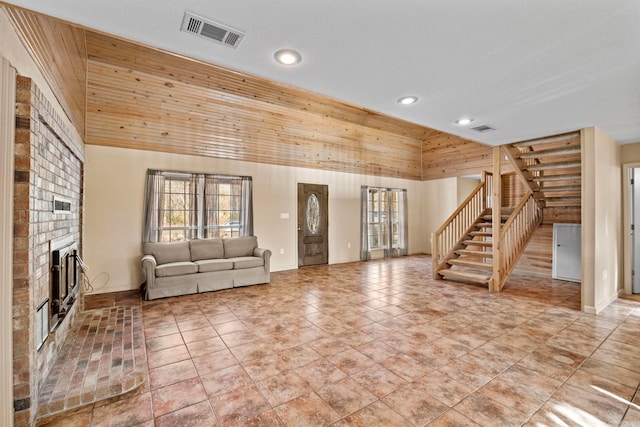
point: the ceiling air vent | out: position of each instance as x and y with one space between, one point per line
483 128
211 30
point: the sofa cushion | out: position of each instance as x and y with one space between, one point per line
207 265
206 249
239 246
168 252
247 262
176 269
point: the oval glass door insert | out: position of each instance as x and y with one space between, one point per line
313 213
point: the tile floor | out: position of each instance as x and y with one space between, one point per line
381 343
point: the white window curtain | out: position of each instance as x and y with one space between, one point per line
154 200
383 218
365 251
246 210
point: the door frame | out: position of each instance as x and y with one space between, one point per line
298 185
626 227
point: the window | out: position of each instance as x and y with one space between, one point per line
384 218
177 210
377 202
185 206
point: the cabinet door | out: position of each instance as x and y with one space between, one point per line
567 253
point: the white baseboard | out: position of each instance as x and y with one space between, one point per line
597 309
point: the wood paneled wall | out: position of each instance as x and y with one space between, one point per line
446 156
59 50
512 190
147 99
537 258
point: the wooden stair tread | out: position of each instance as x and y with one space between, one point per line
470 263
463 275
469 252
484 224
563 198
482 233
553 165
478 243
571 138
561 188
575 149
489 216
559 177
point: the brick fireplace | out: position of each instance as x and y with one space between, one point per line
48 206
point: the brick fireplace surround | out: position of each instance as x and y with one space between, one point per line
48 162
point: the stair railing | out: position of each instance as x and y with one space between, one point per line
515 234
449 237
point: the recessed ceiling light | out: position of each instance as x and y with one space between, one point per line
464 121
408 100
287 57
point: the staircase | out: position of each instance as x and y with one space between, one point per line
551 169
473 261
467 247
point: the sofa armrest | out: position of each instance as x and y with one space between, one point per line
149 271
265 254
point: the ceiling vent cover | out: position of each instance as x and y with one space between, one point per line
483 128
211 30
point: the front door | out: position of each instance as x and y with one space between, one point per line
313 224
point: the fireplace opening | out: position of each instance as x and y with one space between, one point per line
65 277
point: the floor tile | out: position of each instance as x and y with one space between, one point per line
346 396
452 418
488 412
444 388
214 361
225 380
283 388
378 380
307 410
239 405
351 361
206 346
177 396
317 374
198 415
125 412
171 374
376 414
414 404
167 356
199 334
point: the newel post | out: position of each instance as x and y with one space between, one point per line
496 209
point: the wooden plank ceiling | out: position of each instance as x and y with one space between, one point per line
143 98
59 51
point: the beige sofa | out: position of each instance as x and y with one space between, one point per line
180 268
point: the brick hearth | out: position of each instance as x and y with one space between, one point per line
103 356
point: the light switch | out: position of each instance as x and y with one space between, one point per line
284 215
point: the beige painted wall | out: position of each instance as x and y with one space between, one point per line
115 180
465 187
601 220
630 153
